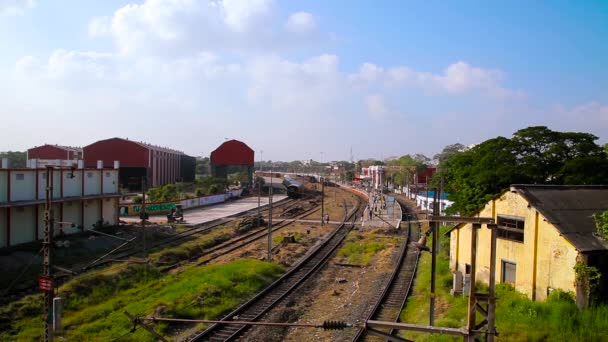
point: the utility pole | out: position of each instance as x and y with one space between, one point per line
434 227
270 219
143 217
47 276
322 200
259 194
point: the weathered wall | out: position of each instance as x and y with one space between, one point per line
23 225
543 260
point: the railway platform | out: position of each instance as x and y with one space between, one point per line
385 212
201 215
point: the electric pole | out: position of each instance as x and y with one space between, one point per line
322 200
47 276
270 219
434 227
143 217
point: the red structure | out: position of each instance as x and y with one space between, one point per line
232 152
425 176
232 155
52 152
160 165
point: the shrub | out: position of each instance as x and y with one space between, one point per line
137 199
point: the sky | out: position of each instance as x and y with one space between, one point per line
300 79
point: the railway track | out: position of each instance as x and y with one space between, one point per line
244 240
391 299
123 253
271 295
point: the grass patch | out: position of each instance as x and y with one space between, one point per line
517 317
359 249
278 238
94 304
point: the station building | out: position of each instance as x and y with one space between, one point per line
81 196
543 232
232 156
158 165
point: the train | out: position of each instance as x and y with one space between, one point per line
294 187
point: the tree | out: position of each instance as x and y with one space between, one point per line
534 155
202 166
449 151
15 159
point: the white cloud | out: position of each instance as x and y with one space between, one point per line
99 26
301 22
457 79
376 107
241 15
15 7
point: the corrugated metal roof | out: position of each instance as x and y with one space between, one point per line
570 208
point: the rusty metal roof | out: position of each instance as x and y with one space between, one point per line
570 208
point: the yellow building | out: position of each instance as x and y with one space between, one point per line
543 230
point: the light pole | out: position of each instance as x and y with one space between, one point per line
270 218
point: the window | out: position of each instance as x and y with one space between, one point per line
89 174
508 272
467 269
511 228
19 176
107 174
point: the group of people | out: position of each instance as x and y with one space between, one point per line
376 203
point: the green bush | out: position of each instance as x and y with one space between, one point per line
137 199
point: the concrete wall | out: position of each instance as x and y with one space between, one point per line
92 182
72 213
110 213
91 213
72 184
3 185
3 227
23 185
110 182
23 225
544 260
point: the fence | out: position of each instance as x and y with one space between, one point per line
133 209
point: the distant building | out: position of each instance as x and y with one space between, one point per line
230 157
377 174
50 153
543 230
158 165
81 196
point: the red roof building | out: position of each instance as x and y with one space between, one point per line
232 152
54 152
159 165
231 156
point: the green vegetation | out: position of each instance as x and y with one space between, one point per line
534 155
95 303
15 159
164 193
517 317
359 249
601 223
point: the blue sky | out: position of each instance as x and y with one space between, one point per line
296 78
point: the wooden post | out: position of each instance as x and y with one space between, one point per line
492 298
472 301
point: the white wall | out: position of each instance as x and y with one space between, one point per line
71 213
109 210
72 187
23 225
91 213
23 185
3 185
110 181
92 182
